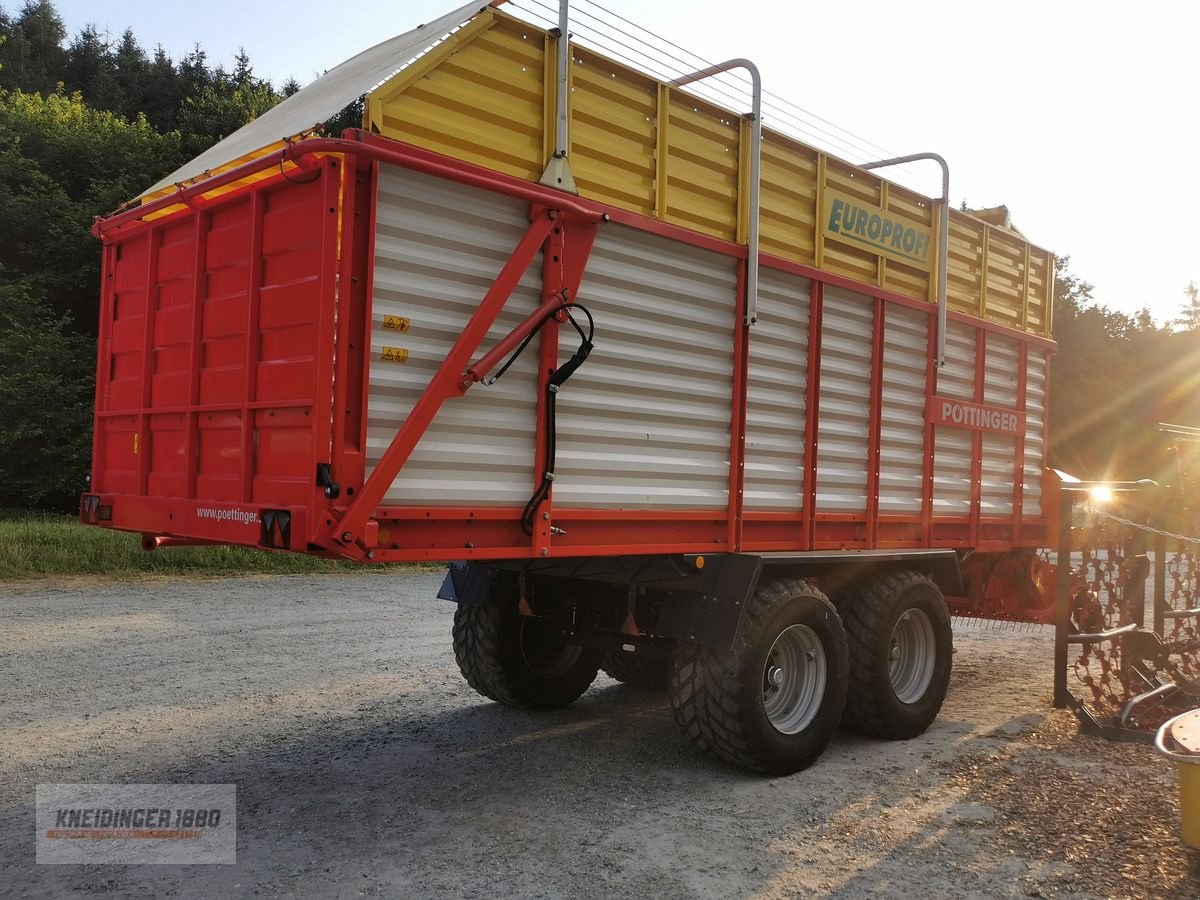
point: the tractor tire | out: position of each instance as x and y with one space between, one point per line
772 702
521 661
647 674
898 629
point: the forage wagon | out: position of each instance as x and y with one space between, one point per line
676 395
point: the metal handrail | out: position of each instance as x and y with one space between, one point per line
943 238
755 168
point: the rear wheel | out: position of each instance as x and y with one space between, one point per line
898 630
644 673
772 702
522 661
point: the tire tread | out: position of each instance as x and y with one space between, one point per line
705 684
864 609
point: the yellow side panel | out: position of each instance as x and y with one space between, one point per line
486 95
916 212
613 132
702 167
788 217
1041 283
1005 277
964 265
906 280
482 104
845 259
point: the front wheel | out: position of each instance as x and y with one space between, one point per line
772 702
521 661
898 629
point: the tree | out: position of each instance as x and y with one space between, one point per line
91 69
194 74
243 72
42 34
1189 313
349 116
45 404
162 92
219 109
63 163
132 67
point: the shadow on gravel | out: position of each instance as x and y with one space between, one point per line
604 798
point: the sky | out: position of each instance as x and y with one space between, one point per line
1083 118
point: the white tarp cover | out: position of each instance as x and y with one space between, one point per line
322 98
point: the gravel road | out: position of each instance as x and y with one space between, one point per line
366 767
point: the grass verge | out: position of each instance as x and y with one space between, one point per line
40 545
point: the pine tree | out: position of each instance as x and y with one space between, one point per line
91 70
43 32
1189 313
131 75
162 91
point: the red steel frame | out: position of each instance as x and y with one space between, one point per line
562 228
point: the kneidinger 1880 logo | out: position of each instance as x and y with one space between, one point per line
136 823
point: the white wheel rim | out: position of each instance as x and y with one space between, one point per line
912 652
793 679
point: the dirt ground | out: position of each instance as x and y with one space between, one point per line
365 766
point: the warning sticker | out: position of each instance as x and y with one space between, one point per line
397 323
394 354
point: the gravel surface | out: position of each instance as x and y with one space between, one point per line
366 767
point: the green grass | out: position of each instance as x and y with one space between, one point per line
40 545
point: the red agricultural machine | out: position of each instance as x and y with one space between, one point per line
677 395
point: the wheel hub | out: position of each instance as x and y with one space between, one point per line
794 678
912 654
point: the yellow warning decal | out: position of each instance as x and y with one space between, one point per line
394 354
397 323
136 443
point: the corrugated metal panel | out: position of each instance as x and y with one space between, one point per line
1035 444
485 98
952 446
1000 371
776 392
999 452
645 424
788 218
902 417
847 326
438 248
613 132
964 265
996 475
1041 289
484 103
702 166
1005 277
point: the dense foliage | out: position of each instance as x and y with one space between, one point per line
86 124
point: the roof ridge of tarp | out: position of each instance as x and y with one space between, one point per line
316 102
